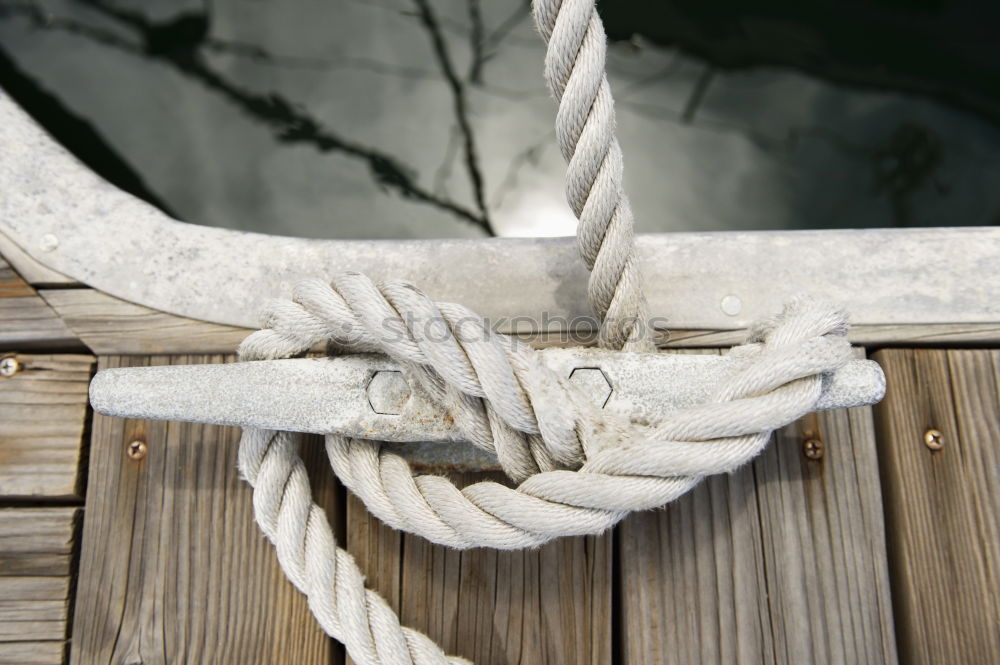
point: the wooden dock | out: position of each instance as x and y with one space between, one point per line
869 535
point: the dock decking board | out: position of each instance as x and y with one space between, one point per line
173 568
546 606
43 411
36 546
28 321
782 561
110 326
943 506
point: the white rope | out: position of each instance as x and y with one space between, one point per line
620 466
579 471
585 131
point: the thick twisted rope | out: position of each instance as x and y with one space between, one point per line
623 465
585 131
579 472
610 466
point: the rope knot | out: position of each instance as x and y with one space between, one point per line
580 470
506 401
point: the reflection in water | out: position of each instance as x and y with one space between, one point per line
429 118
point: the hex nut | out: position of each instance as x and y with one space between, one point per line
594 383
388 392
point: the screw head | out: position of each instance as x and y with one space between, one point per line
136 450
934 439
813 449
9 366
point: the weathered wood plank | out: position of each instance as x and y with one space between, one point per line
943 506
32 653
172 567
780 562
544 606
43 408
924 334
37 541
47 596
26 321
108 326
36 546
11 284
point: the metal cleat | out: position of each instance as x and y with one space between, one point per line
366 395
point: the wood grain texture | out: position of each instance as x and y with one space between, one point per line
37 542
943 506
36 546
925 334
26 321
782 561
43 416
111 326
173 568
544 606
32 653
11 284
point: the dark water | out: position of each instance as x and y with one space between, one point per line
430 118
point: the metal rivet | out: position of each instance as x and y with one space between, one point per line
9 366
731 305
49 242
813 449
136 450
934 439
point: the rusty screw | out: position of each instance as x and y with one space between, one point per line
9 366
136 450
934 439
813 449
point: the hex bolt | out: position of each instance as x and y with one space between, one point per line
9 366
388 392
136 450
813 449
934 439
594 383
